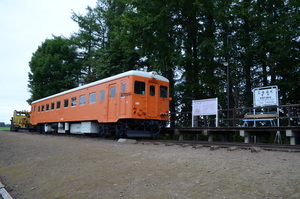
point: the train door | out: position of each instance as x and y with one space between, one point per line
123 102
153 100
103 100
140 98
112 103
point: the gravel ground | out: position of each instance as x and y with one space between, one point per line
45 166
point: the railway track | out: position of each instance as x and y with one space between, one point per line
254 147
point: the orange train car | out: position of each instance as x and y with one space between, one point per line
130 104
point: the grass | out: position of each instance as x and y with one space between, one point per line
4 128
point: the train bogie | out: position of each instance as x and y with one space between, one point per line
133 103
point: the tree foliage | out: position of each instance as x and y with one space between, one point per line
188 41
54 68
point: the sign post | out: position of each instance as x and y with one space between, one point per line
267 96
205 107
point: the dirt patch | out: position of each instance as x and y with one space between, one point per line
45 166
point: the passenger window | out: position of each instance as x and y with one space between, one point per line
152 90
47 107
92 98
102 93
39 109
66 103
73 101
112 92
58 105
52 106
82 100
139 88
123 89
43 107
163 92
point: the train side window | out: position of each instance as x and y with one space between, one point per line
43 107
139 87
39 109
102 93
82 100
163 92
58 105
73 101
123 89
112 91
47 107
66 103
152 90
52 106
92 98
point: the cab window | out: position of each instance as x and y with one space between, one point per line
163 92
139 88
152 90
21 114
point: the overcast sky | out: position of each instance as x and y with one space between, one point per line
24 25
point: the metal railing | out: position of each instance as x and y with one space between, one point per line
289 115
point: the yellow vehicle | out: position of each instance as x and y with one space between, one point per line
21 120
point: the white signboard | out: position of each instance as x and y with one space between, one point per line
265 96
205 107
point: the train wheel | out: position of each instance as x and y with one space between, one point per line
120 130
104 131
40 128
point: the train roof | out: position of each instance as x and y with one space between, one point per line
151 74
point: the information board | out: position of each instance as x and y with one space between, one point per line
205 107
265 96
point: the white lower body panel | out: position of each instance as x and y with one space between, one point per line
74 128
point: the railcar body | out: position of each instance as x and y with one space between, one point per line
132 104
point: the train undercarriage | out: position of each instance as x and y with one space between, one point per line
122 129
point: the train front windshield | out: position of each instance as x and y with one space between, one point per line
163 92
140 88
